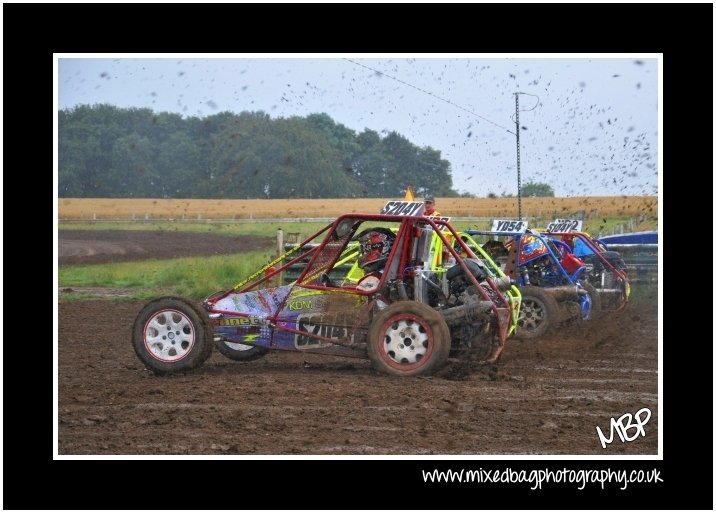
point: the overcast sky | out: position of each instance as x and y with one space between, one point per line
589 124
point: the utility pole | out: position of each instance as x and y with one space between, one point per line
519 178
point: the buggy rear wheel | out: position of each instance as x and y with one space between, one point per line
407 339
240 352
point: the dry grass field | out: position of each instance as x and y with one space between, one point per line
549 208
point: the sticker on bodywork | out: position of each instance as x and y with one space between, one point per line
328 325
242 321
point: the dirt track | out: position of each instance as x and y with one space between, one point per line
101 246
544 397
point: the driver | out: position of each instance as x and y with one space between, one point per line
374 245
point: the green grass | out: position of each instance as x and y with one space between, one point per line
194 277
595 227
75 296
197 277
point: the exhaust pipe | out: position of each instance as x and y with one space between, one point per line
564 293
473 310
503 283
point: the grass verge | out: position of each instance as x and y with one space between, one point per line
596 227
193 278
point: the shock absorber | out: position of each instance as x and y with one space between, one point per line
525 276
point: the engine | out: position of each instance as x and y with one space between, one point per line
541 272
600 276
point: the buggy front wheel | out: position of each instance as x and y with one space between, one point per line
538 313
172 335
408 338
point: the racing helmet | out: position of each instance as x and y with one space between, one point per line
374 247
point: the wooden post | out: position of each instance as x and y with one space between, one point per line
279 252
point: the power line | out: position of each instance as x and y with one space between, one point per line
430 94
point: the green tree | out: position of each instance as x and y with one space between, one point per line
86 138
254 156
386 167
539 190
105 151
134 172
179 166
339 136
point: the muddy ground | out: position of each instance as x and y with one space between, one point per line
544 397
102 246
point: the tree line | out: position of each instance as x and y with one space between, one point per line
111 152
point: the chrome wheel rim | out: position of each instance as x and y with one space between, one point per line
169 336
